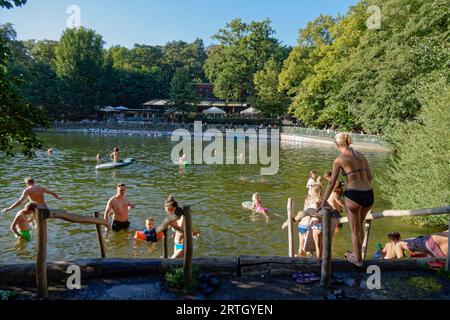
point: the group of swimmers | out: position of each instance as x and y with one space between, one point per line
357 199
118 205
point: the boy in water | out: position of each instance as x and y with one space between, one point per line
21 223
115 155
150 231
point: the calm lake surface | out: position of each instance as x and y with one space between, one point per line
215 193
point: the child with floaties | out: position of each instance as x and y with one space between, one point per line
150 233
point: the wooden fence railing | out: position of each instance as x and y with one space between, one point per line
43 214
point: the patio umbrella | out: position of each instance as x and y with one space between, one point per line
250 111
214 110
107 109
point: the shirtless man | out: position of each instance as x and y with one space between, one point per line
115 155
34 193
120 205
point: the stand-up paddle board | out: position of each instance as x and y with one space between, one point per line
113 165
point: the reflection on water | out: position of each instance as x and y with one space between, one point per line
214 192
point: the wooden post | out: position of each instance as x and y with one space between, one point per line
290 206
188 244
41 260
100 238
367 226
325 275
165 245
448 250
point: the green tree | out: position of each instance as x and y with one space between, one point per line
183 97
84 71
385 72
243 50
269 100
418 174
17 118
9 4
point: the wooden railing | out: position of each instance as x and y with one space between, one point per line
43 214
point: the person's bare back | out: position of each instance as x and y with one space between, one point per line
23 221
34 193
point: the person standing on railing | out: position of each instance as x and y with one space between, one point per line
359 196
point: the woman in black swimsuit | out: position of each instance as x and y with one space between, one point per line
359 196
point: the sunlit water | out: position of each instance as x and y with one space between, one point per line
215 193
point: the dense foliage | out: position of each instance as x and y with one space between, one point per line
419 174
17 118
342 73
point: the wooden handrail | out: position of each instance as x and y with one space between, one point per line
76 218
291 241
404 213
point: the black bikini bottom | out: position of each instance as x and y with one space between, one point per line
363 198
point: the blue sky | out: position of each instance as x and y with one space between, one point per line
155 22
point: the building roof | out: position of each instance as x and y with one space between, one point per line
203 103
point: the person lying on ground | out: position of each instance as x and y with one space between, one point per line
434 245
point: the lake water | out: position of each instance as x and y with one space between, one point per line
215 193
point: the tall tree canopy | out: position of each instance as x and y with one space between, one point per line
345 74
84 71
17 118
183 96
243 50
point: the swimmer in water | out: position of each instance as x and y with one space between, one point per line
50 151
21 223
257 206
115 155
98 157
183 160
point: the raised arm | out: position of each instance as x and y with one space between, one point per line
17 203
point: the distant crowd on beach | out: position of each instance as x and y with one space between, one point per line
355 196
